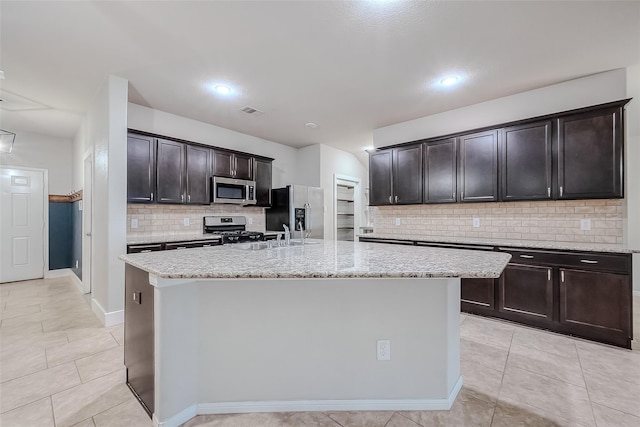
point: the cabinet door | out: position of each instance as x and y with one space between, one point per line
479 167
198 173
223 163
526 292
380 186
440 171
407 175
477 295
243 167
141 168
596 305
590 155
170 171
263 175
525 162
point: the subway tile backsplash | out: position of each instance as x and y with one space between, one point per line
157 219
541 220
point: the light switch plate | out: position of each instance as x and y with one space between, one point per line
249 220
186 222
476 222
134 222
397 221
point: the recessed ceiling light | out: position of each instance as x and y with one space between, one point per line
449 80
222 89
311 125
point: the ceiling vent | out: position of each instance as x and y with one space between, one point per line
251 110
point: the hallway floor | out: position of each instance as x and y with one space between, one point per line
59 367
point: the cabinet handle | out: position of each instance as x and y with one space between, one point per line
462 195
396 199
561 191
390 199
549 275
189 198
526 256
453 196
548 191
151 196
182 198
562 276
145 251
588 261
181 247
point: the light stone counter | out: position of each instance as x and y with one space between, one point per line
321 259
533 244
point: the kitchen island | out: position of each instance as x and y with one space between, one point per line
297 328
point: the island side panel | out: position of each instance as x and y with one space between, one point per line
315 340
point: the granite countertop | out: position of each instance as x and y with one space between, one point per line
322 259
534 244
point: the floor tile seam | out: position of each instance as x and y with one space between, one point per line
26 404
573 421
615 409
101 412
548 352
332 419
624 380
485 366
552 378
484 343
25 375
404 416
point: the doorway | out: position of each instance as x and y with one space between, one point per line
87 215
346 205
23 223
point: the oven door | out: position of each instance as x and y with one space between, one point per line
236 191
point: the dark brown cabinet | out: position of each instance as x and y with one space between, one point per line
477 295
232 165
526 293
139 336
396 176
141 168
440 171
525 162
149 247
170 172
596 304
263 177
380 167
197 174
478 160
590 155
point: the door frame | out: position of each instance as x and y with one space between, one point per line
356 204
87 252
45 212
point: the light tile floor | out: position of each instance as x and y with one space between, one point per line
59 367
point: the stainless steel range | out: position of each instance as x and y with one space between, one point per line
231 228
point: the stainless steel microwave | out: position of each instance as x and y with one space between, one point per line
236 191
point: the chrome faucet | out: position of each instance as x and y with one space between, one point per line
301 232
287 235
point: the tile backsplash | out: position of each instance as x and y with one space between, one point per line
541 220
157 219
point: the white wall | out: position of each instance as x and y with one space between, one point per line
155 121
335 161
104 130
34 150
308 166
591 90
632 159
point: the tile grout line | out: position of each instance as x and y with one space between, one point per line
504 371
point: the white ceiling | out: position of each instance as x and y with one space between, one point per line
350 66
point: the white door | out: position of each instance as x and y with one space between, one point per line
21 225
87 195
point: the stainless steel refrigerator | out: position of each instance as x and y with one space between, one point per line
294 205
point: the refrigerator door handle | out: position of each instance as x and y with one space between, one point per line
307 219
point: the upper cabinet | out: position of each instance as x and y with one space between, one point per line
479 167
525 161
440 171
141 168
170 172
263 178
575 154
590 155
232 165
396 176
197 174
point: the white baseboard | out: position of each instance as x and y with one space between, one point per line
61 272
107 318
76 281
311 406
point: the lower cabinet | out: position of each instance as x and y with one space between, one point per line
478 295
525 293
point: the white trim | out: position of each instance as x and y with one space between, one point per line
107 319
636 293
178 419
60 272
76 281
357 188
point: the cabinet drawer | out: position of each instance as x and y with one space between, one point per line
392 241
136 249
455 246
584 260
191 244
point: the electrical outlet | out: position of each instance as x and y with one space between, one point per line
134 222
186 222
249 220
77 263
397 221
383 349
585 224
476 222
